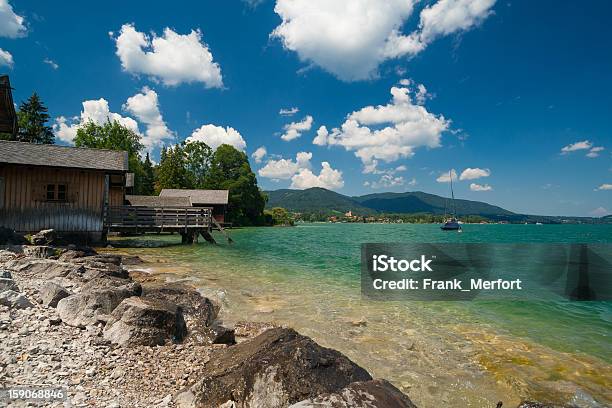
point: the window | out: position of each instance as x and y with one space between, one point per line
56 192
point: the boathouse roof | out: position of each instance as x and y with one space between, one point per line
62 156
157 201
198 197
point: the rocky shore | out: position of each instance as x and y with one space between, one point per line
74 318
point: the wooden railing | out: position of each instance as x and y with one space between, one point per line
156 218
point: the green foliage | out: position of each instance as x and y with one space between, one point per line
278 216
230 170
114 136
147 187
172 169
197 162
32 119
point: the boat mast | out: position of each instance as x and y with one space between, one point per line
452 194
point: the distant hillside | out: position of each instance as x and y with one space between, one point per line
417 202
322 200
314 200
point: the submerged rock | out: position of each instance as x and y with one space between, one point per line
252 329
51 293
365 394
14 300
148 322
273 370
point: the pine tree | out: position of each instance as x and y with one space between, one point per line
148 179
32 118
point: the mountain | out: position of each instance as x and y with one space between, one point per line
323 200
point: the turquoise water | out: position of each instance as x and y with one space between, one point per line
469 353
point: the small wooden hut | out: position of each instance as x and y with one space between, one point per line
215 199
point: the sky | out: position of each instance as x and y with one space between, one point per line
513 99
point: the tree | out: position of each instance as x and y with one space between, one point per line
148 181
114 136
32 118
197 161
230 170
172 171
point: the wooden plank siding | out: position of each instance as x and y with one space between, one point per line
26 209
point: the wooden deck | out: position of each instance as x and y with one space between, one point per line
188 221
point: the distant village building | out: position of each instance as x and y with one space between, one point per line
59 187
215 199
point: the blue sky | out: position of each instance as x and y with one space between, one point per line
494 90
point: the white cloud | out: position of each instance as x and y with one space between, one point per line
473 174
583 145
413 182
328 178
172 59
96 111
350 38
284 169
445 177
321 138
288 111
387 181
6 59
408 126
11 24
145 107
294 130
215 136
51 63
603 187
259 154
594 152
599 212
480 187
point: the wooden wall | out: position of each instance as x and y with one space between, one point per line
25 208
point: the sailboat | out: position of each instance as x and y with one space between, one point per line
451 224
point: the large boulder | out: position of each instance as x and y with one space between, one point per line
275 369
198 311
94 304
44 268
147 322
364 394
14 300
9 237
44 237
40 251
51 293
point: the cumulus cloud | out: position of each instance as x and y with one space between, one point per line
327 178
594 152
288 111
350 38
259 154
473 174
480 187
172 58
388 181
599 212
51 63
284 169
215 136
96 111
605 186
387 132
145 107
583 145
6 59
11 24
294 130
445 177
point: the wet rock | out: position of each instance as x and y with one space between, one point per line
44 237
148 322
8 284
131 260
365 394
275 369
5 274
39 251
51 293
218 334
91 306
14 300
9 237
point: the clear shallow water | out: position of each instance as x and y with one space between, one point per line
456 353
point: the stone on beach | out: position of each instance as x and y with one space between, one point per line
148 322
44 237
39 251
51 293
14 300
44 268
366 394
8 284
273 370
